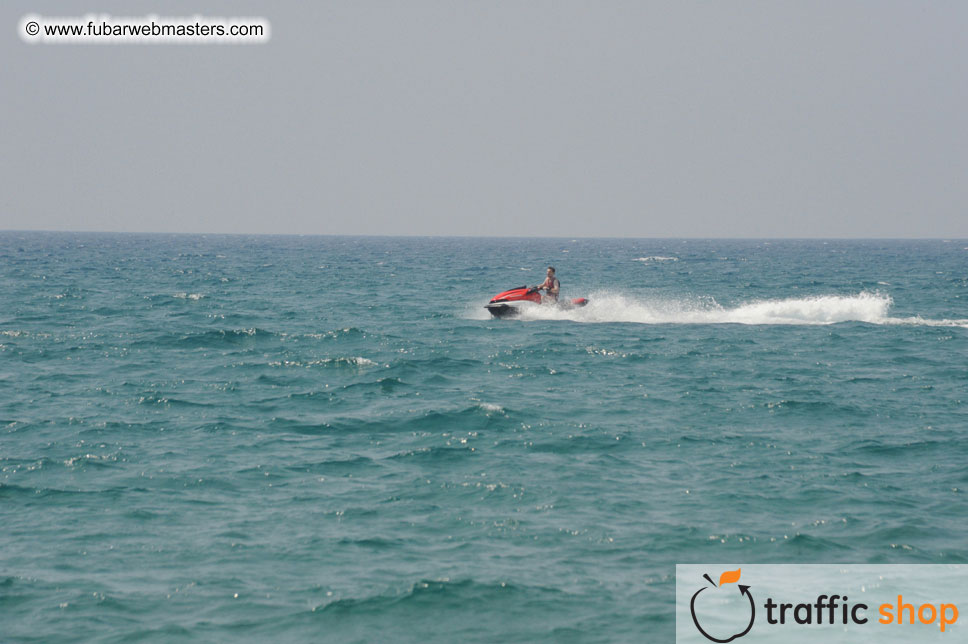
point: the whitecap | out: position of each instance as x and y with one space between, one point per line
605 306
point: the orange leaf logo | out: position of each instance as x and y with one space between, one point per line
729 577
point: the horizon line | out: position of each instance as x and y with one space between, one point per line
459 236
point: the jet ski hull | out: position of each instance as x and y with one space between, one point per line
508 304
502 310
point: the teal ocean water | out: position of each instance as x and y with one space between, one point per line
228 438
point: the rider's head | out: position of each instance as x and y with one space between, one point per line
551 271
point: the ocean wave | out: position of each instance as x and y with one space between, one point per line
339 361
656 258
436 454
380 385
440 593
98 460
491 407
917 320
10 491
208 338
419 423
337 334
869 307
157 398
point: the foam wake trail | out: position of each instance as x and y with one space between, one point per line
867 307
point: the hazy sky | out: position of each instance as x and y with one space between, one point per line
597 118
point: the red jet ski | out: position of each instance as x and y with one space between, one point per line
509 303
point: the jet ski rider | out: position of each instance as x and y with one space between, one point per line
551 286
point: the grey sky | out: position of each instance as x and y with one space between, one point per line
644 119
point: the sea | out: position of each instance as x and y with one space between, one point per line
221 438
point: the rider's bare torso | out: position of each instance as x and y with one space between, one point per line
551 286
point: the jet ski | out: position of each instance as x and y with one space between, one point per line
510 302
